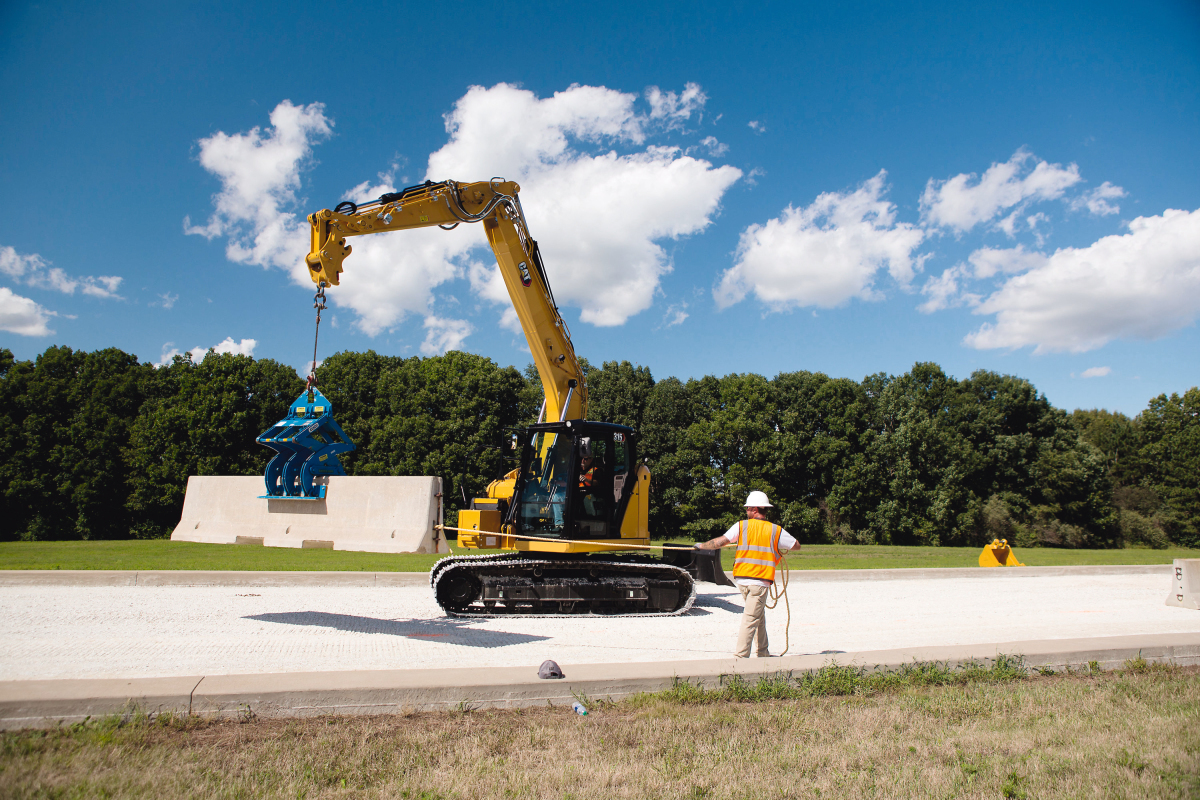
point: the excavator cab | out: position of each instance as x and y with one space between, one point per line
576 483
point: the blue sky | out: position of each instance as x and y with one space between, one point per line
845 188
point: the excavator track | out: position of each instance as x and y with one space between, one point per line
517 585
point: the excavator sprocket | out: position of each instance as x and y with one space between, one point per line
520 585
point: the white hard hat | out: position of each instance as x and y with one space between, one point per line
758 500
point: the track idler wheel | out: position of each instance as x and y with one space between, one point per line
458 590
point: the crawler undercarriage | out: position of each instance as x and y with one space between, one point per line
512 584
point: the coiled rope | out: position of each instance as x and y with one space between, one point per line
778 590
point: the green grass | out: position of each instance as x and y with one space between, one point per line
159 554
928 730
842 681
844 556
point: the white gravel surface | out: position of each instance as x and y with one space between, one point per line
124 632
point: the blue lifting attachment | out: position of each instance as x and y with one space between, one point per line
306 445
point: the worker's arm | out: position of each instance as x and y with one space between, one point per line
730 537
788 543
713 544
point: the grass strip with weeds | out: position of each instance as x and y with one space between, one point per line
840 681
925 730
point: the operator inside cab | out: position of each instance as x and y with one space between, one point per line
587 477
587 472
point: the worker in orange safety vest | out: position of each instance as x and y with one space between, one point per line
760 545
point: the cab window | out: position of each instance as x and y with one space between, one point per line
544 496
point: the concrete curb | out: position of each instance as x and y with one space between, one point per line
26 704
936 573
99 577
183 577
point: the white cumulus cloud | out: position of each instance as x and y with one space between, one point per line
823 254
444 334
962 202
1095 372
245 347
598 216
1143 284
675 108
256 209
948 289
260 174
674 315
390 276
23 316
987 261
715 146
488 283
33 270
1098 200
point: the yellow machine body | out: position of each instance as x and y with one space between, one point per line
634 526
998 554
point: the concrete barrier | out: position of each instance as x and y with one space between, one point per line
370 514
1185 584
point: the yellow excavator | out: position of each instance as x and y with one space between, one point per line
574 515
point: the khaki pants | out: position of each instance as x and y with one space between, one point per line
754 621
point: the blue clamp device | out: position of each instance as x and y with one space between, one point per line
306 445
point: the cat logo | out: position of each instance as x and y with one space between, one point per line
526 278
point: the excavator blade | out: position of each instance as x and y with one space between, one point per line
702 565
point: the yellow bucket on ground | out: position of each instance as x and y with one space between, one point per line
998 554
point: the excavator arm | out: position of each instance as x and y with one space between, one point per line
448 204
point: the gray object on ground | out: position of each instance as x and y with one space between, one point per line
549 669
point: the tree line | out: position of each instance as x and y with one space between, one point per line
95 445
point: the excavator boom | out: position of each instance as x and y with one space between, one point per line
448 204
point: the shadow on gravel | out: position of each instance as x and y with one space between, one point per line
708 601
450 631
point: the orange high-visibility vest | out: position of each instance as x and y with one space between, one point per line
757 550
586 479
